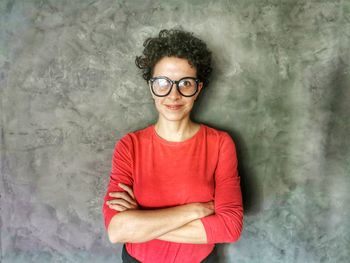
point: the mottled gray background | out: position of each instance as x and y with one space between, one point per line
69 90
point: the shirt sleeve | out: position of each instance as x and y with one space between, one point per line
226 224
121 172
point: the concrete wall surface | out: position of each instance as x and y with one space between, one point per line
69 90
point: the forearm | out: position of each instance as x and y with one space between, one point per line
193 232
143 225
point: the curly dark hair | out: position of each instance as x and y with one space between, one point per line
175 43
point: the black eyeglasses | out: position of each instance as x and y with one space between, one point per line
161 86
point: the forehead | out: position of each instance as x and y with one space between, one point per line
174 68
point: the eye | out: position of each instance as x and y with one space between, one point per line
161 83
187 83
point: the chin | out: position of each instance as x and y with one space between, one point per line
173 117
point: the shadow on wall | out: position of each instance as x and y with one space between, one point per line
251 191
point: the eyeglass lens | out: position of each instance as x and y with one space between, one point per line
187 86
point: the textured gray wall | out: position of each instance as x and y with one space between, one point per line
69 90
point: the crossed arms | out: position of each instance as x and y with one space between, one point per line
219 221
177 224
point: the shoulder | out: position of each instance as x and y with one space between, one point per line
221 136
223 143
133 137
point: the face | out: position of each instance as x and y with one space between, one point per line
175 68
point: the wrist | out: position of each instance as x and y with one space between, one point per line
196 210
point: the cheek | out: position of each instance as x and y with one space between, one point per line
190 102
158 102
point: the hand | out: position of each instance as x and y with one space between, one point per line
125 200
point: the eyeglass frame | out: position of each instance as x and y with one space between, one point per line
151 80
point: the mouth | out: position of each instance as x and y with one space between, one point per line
173 107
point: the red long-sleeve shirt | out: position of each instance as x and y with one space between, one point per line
165 174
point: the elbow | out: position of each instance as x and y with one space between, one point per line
234 234
224 227
121 230
235 230
112 239
234 227
114 236
115 231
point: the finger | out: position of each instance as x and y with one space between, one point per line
127 189
117 207
123 195
121 202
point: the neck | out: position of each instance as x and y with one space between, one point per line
176 131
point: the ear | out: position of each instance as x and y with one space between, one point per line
200 86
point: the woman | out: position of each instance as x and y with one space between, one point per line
174 189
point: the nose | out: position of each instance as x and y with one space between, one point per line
174 93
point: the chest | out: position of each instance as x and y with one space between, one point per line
168 177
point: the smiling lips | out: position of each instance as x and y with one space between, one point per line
173 107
